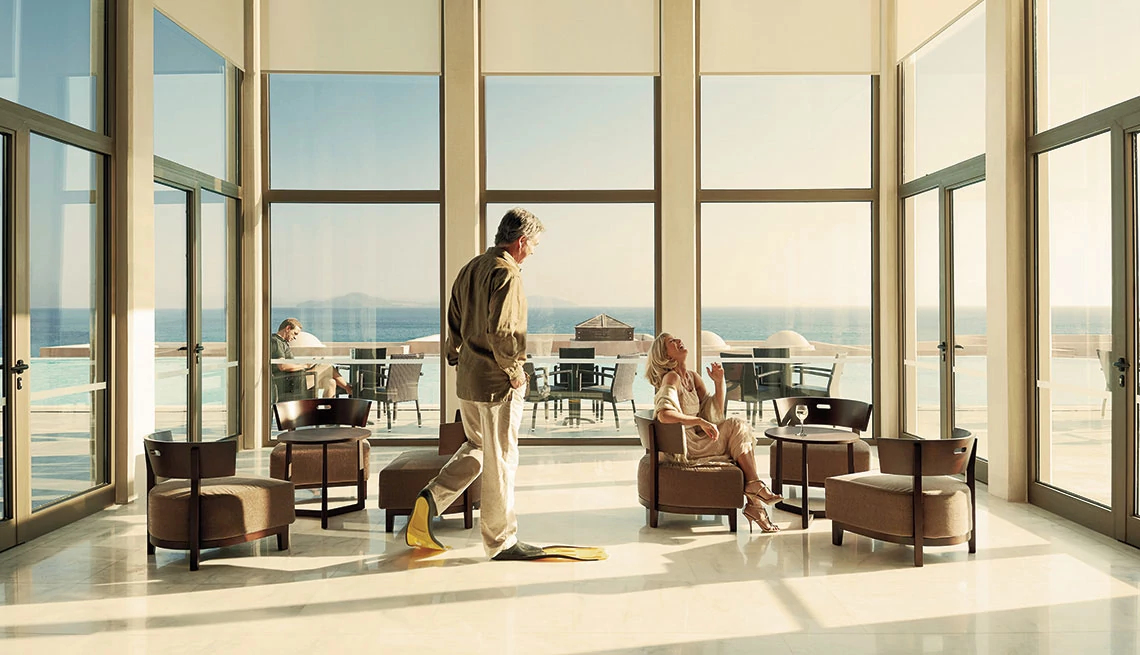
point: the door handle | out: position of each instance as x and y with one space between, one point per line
1122 366
198 349
19 367
942 350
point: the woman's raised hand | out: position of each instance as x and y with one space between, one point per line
716 372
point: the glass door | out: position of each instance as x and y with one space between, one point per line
217 256
1132 211
195 318
922 316
944 307
7 524
65 379
172 360
969 357
1075 309
54 447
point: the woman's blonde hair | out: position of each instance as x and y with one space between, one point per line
659 363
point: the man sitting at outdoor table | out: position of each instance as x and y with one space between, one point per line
327 378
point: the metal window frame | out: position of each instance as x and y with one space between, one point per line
579 197
19 123
271 196
869 195
945 181
194 182
1121 122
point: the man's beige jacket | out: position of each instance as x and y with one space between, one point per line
486 326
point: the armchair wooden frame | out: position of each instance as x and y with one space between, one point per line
669 438
313 412
196 461
918 458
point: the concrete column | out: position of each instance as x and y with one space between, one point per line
132 394
459 232
254 290
677 254
1006 246
887 417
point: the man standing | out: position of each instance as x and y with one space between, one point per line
486 321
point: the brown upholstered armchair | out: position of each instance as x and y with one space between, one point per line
348 462
683 488
911 499
824 460
201 504
403 479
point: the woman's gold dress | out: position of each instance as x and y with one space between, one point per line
735 439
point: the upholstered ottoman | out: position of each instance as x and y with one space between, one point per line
402 480
824 461
343 465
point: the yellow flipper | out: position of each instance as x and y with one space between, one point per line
419 534
580 553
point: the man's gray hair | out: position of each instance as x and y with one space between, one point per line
517 222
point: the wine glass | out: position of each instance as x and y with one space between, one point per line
801 414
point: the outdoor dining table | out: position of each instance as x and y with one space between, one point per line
811 435
324 437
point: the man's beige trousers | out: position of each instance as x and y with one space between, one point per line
492 448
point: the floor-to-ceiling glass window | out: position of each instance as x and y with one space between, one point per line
922 325
578 151
66 298
786 231
1074 218
354 177
171 366
54 176
968 280
944 346
1086 113
196 222
5 456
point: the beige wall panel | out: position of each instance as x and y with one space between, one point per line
776 36
352 36
219 24
678 248
133 389
559 36
1007 320
920 20
888 417
460 233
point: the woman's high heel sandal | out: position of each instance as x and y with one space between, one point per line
764 495
755 513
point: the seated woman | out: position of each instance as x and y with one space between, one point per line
682 398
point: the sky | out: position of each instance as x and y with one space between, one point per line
576 132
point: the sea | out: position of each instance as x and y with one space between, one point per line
834 325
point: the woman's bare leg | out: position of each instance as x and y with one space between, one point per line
752 482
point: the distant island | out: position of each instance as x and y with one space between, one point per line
359 300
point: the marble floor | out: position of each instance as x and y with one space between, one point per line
1038 584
